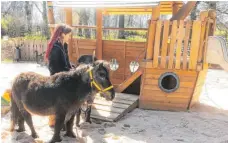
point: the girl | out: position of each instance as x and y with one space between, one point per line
57 54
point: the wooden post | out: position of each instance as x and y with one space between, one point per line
99 34
212 15
151 32
184 11
51 19
203 16
175 8
68 19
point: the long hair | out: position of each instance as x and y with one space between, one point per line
56 35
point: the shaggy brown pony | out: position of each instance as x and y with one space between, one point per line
60 95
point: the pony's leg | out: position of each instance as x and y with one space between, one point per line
78 117
59 122
69 127
14 114
28 118
21 124
88 112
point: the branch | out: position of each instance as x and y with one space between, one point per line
37 7
223 12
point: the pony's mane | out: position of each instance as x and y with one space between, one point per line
81 69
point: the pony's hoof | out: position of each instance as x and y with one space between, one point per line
89 122
20 130
70 134
35 136
55 139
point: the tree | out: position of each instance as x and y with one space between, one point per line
28 14
121 25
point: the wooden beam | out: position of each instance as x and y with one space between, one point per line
175 8
99 34
129 81
68 19
151 32
51 19
203 16
184 11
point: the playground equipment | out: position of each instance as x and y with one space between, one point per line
173 68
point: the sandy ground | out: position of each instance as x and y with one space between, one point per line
207 122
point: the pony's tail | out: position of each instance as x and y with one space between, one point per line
14 113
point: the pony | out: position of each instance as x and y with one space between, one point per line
61 95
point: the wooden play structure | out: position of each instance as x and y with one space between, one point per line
172 63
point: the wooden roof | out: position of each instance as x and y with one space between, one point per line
125 7
166 8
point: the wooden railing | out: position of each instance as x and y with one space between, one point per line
180 44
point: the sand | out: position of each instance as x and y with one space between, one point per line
206 122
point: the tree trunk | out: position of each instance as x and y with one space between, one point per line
45 19
194 11
121 25
28 13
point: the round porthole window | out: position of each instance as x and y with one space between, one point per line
169 82
114 65
134 66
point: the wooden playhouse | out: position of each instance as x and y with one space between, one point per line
172 63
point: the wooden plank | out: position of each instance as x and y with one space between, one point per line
99 33
203 16
124 96
105 114
172 44
113 47
156 88
195 40
151 32
157 44
129 81
136 44
179 44
181 78
107 103
198 88
161 106
107 108
112 42
182 84
166 100
87 47
147 93
184 11
178 72
164 44
186 40
130 108
175 8
205 65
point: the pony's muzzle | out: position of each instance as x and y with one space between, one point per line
108 95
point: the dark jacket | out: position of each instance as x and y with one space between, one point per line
58 58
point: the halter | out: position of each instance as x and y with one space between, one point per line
93 83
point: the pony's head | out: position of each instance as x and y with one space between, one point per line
100 81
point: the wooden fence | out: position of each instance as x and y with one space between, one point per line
28 48
123 51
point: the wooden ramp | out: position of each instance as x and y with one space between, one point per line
114 110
